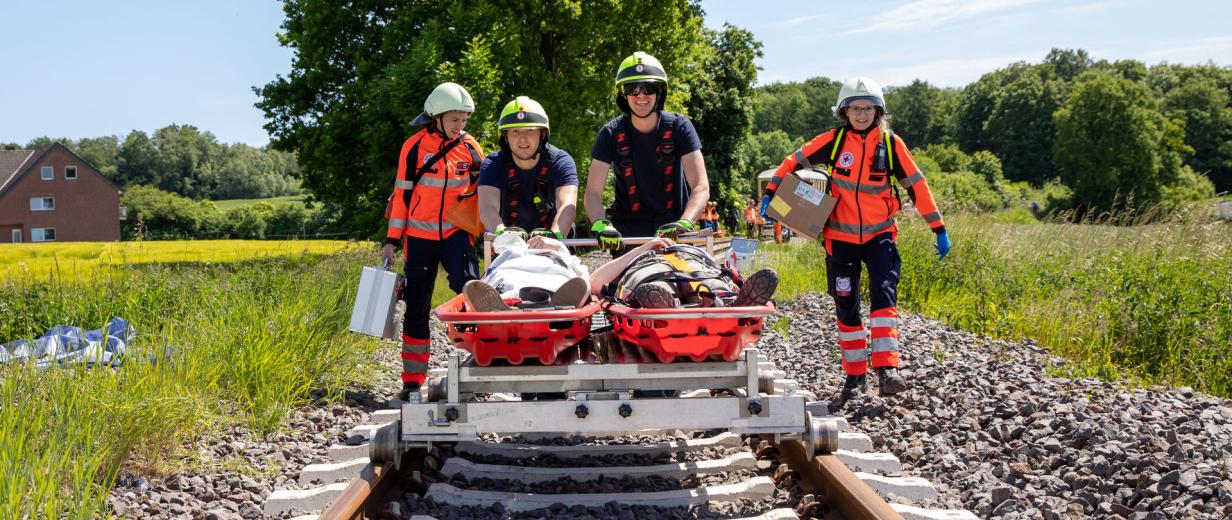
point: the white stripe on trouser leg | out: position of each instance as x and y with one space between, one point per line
854 335
883 322
855 355
885 344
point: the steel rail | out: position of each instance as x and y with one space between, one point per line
364 491
845 494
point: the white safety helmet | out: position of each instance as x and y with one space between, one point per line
446 97
858 88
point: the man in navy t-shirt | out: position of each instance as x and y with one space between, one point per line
529 183
655 156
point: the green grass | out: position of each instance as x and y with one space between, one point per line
230 204
219 343
1147 302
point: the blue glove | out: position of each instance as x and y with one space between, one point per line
765 203
943 245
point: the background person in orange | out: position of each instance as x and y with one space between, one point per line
753 220
436 167
863 155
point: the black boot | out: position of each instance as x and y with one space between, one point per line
854 387
407 390
889 381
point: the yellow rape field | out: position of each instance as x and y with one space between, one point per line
73 258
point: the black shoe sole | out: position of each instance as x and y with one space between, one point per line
758 289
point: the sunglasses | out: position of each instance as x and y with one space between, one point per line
647 88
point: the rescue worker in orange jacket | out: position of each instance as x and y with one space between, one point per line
866 160
436 167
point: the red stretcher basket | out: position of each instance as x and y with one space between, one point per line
697 333
515 335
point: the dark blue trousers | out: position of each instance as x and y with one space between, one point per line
843 268
456 253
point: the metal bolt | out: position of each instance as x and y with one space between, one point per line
755 407
625 410
451 413
581 412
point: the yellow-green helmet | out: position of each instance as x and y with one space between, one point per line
523 112
640 67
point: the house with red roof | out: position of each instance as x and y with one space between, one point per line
52 195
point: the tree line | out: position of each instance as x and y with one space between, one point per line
1114 134
360 74
184 160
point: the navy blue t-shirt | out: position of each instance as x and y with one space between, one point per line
646 166
562 171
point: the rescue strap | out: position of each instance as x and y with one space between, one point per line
665 151
540 198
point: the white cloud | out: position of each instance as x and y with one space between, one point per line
1216 48
792 22
949 72
917 14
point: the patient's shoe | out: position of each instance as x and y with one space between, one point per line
758 288
481 297
575 292
655 295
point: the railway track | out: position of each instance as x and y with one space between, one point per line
706 474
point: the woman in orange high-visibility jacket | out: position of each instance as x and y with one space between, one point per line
437 166
862 156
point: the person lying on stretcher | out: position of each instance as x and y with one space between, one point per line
541 273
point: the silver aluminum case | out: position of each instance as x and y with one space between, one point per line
376 303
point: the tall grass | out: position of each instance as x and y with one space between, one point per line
218 344
1145 301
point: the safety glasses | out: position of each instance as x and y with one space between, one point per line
641 87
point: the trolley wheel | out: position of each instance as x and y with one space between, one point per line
384 446
820 435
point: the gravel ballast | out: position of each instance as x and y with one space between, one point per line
991 423
999 434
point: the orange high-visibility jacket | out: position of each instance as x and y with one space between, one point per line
867 203
435 192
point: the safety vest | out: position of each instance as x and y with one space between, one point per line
664 150
434 173
543 201
860 168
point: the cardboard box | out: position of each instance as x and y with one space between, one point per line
801 206
376 303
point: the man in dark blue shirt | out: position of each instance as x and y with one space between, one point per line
656 156
528 183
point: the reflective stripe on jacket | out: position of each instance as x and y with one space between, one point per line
867 203
435 192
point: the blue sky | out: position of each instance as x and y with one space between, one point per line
89 68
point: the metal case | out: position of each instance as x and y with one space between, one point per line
376 303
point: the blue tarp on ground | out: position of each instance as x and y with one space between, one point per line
65 344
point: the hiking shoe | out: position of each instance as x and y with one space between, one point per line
854 388
481 297
758 288
407 390
575 292
655 295
889 381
